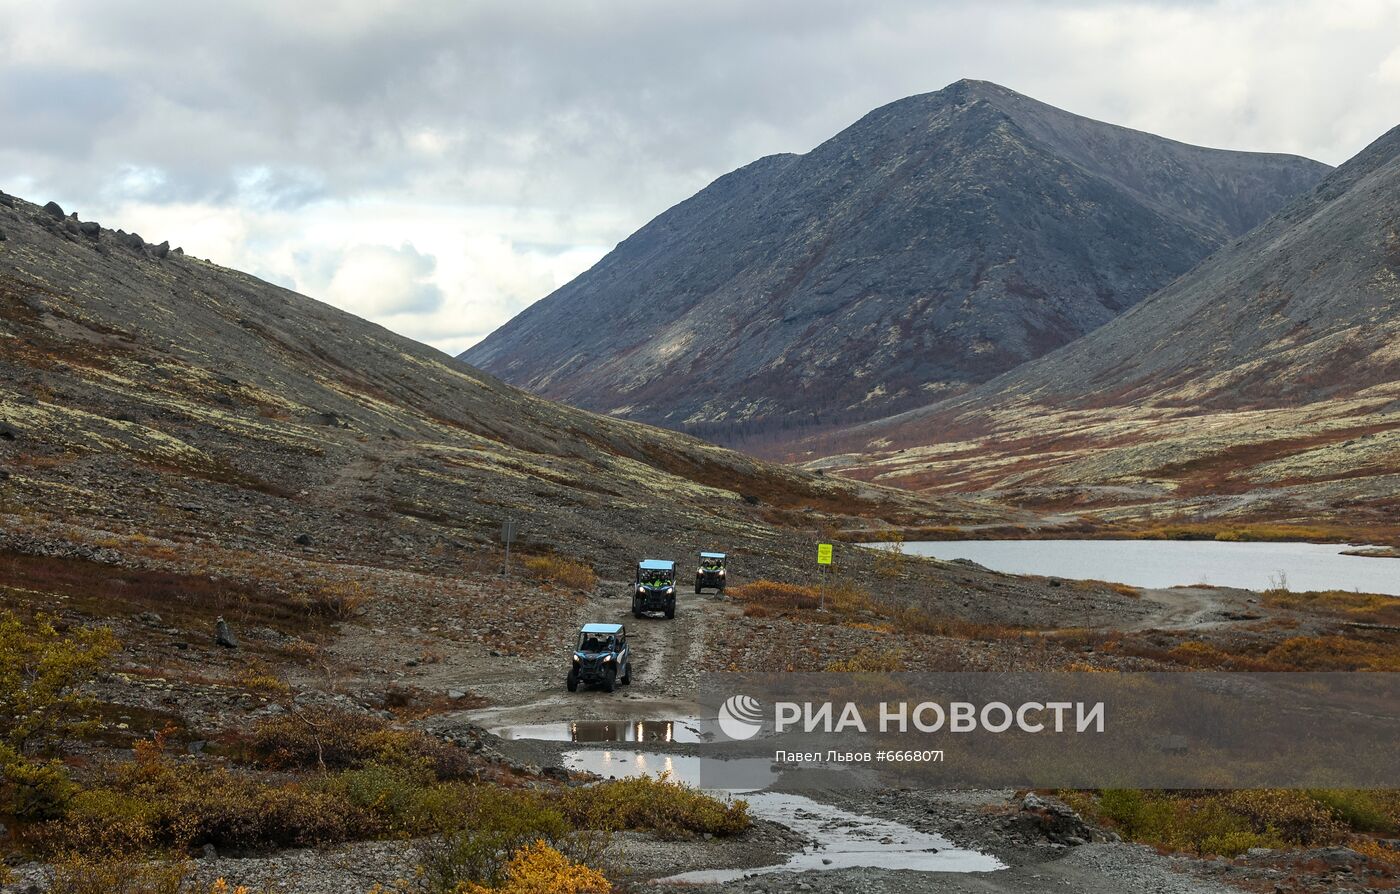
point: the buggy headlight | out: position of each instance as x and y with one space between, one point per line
607 658
670 589
575 659
721 572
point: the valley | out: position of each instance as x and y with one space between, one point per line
258 538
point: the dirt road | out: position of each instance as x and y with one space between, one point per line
668 657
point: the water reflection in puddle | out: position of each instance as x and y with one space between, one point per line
842 839
685 730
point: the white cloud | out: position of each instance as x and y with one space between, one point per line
468 158
381 282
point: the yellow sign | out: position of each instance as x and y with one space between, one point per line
823 553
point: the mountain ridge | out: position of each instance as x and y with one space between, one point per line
936 242
1264 382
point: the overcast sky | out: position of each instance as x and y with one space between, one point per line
436 167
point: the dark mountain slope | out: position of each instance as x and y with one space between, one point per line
171 397
1272 367
937 242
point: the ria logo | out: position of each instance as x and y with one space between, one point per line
740 717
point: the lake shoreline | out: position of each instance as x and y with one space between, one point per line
1296 566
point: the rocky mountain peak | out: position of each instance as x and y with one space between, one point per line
938 241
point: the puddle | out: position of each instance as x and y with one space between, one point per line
742 775
843 839
684 730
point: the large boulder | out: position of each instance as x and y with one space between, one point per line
54 210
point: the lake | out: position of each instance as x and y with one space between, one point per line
1170 563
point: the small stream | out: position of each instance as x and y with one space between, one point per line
841 838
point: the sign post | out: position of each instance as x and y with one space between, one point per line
824 562
508 532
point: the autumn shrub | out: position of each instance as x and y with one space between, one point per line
654 804
339 600
1334 653
1229 822
259 679
487 827
1294 816
915 619
868 661
540 869
563 572
330 739
155 803
42 672
1362 811
889 555
846 597
1205 828
767 596
88 874
1370 608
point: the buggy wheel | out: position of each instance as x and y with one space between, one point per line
627 675
610 679
671 608
572 681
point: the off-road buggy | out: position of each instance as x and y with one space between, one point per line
601 658
655 590
711 572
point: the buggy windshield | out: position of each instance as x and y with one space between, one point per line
712 564
596 642
656 577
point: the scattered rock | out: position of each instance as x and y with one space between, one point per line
456 694
330 419
2 236
1338 857
130 240
223 636
160 251
1033 801
150 619
90 229
54 210
6 200
303 540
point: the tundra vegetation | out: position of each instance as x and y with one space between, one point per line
302 778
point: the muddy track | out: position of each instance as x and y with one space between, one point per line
1197 608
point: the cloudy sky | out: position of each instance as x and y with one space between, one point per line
437 166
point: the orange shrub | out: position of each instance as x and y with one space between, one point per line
769 596
1334 653
561 571
540 869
